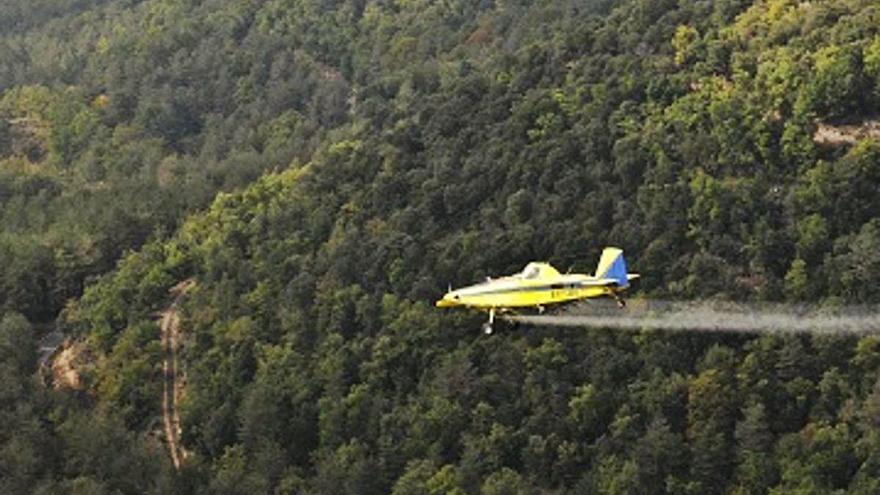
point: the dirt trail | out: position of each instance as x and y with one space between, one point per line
846 134
171 387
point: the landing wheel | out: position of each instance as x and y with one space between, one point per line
487 327
621 303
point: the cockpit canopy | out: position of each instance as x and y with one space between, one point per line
537 270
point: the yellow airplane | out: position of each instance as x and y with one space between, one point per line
540 285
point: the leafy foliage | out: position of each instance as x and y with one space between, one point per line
414 144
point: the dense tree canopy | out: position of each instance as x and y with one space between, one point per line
322 170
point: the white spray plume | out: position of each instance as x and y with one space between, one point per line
714 316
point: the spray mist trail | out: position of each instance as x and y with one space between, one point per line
721 317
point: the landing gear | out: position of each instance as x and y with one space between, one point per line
621 303
487 327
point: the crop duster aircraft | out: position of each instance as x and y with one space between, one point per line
540 285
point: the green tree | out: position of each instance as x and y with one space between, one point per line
683 43
756 469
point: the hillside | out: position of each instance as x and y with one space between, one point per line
323 170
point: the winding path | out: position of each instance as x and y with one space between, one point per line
170 327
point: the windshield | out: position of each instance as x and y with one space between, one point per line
530 272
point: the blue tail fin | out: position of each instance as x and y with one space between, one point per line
613 266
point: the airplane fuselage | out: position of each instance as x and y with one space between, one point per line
510 292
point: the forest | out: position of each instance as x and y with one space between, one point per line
322 170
